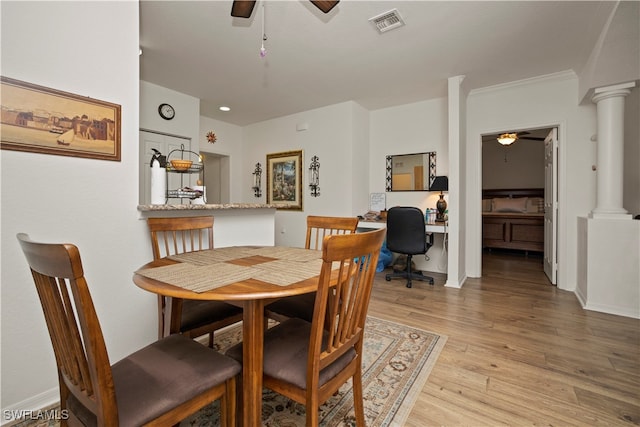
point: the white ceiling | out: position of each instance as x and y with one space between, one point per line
314 60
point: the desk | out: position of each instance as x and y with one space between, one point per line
430 227
247 276
438 259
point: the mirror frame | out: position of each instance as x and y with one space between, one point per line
389 169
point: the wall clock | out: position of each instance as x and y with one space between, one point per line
166 111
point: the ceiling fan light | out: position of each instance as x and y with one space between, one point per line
507 138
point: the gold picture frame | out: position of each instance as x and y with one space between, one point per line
284 180
38 119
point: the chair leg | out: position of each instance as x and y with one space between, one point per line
358 400
210 339
409 272
312 417
161 310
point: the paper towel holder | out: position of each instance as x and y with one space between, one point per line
162 160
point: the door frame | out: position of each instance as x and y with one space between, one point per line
475 196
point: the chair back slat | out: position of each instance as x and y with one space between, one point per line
342 299
76 336
318 227
172 236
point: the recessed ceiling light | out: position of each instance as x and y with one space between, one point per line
225 108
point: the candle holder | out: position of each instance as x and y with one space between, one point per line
257 180
314 176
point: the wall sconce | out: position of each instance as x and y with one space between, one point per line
314 176
257 181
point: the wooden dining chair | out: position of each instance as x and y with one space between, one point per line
172 236
160 384
309 361
318 227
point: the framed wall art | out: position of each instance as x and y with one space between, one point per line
284 180
43 120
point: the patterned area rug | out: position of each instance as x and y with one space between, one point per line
397 361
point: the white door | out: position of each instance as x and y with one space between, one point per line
164 144
551 205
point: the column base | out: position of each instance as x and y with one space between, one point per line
610 215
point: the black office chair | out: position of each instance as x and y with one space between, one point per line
406 235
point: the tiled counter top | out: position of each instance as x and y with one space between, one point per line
195 207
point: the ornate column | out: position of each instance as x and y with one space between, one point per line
610 151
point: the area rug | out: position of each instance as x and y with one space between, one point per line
397 360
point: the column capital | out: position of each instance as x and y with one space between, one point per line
622 89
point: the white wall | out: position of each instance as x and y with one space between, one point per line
519 165
407 129
616 55
329 135
536 103
229 143
186 121
91 203
631 178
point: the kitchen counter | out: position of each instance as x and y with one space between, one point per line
235 224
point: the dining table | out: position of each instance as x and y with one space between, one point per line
250 277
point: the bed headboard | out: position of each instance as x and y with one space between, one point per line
513 192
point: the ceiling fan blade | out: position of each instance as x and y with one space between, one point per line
325 5
532 138
242 8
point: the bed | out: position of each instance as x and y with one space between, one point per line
513 219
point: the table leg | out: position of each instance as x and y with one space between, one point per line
252 359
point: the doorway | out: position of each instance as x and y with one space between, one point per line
521 166
217 181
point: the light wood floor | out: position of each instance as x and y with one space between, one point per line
519 352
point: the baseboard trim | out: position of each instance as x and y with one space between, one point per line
14 413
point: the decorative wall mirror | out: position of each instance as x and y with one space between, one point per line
411 172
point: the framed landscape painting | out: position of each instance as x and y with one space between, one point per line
284 180
43 120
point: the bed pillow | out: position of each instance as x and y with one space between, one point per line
504 204
486 205
535 205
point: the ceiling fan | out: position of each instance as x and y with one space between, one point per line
511 137
523 135
243 8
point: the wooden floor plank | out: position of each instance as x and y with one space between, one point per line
519 350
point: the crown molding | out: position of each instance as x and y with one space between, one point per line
559 76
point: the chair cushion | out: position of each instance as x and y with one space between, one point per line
285 353
300 306
164 374
196 313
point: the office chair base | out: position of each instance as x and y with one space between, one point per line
413 275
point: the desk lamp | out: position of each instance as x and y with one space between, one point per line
440 183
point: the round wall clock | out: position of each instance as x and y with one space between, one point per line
166 111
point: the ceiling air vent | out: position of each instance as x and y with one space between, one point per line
387 21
